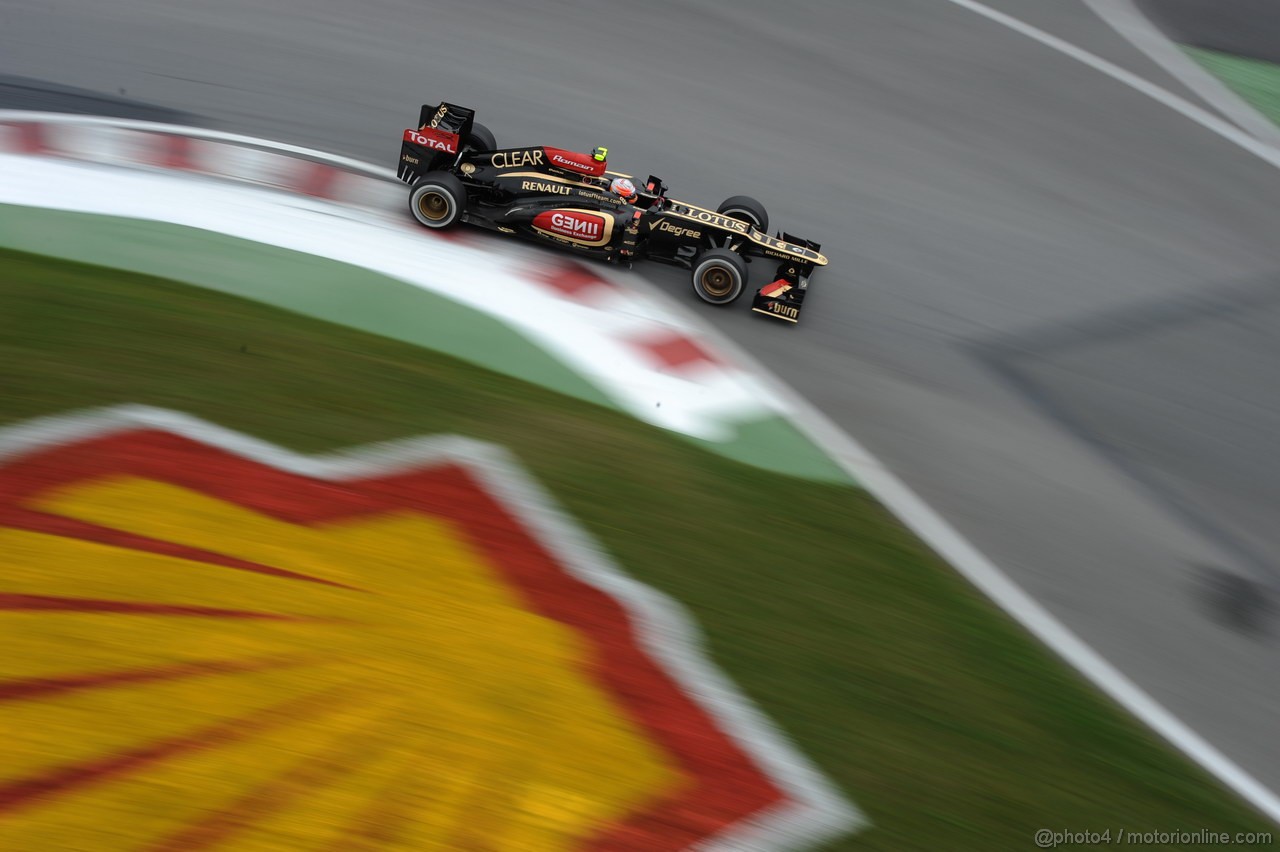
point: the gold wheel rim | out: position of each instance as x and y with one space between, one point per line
717 281
433 206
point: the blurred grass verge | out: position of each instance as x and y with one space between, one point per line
938 716
1254 80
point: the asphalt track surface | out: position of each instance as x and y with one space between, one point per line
1052 304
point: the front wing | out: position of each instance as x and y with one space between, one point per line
784 296
780 300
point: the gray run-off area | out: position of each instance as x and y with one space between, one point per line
1052 305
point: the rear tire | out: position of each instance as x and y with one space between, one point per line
745 209
481 138
438 200
719 276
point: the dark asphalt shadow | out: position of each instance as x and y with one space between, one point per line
1236 601
1176 393
42 96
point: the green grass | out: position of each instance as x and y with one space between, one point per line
1255 80
940 718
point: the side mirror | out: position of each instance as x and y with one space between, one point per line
655 186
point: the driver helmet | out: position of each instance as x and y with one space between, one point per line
623 188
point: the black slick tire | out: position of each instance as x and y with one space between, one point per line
746 209
481 138
437 200
719 276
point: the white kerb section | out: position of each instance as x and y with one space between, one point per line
611 334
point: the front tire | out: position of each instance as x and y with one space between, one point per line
746 209
719 276
437 200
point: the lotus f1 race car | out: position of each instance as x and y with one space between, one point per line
459 174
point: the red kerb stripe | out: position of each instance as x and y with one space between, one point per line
174 152
317 179
32 138
572 281
674 351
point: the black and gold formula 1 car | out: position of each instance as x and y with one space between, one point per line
459 174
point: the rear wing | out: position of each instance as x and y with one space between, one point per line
448 117
436 141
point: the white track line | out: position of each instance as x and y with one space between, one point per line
1125 18
1202 117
